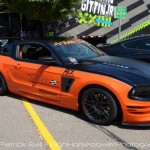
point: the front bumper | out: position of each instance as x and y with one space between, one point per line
136 125
136 112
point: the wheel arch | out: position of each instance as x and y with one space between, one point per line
120 112
4 79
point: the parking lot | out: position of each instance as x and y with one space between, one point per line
67 128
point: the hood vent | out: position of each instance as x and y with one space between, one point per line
115 65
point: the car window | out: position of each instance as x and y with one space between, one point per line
31 51
75 50
144 44
131 44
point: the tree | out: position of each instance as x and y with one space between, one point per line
43 10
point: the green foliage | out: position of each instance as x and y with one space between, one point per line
43 10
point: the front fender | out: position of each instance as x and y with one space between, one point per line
118 88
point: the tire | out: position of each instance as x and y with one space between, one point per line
98 106
3 86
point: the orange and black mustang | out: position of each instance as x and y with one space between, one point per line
74 74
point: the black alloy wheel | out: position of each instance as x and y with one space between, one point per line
99 106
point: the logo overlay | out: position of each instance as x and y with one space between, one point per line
97 12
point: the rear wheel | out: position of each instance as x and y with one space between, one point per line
3 86
98 106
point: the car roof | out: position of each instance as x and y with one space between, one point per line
18 39
135 38
125 40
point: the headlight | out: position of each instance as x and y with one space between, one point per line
140 93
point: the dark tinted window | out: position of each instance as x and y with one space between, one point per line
144 44
131 44
31 51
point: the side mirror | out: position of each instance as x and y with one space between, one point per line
47 60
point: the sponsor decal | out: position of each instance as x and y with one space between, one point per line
73 60
53 82
69 73
66 42
97 12
35 79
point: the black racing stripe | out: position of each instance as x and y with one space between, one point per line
135 5
88 31
129 24
139 16
113 32
129 8
73 25
64 29
117 2
148 6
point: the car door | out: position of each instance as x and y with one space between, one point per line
129 49
33 78
143 50
122 49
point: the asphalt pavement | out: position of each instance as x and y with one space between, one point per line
69 129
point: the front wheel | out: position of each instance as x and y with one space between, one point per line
3 86
98 106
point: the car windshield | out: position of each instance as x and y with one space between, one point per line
76 51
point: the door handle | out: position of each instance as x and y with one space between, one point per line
18 66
